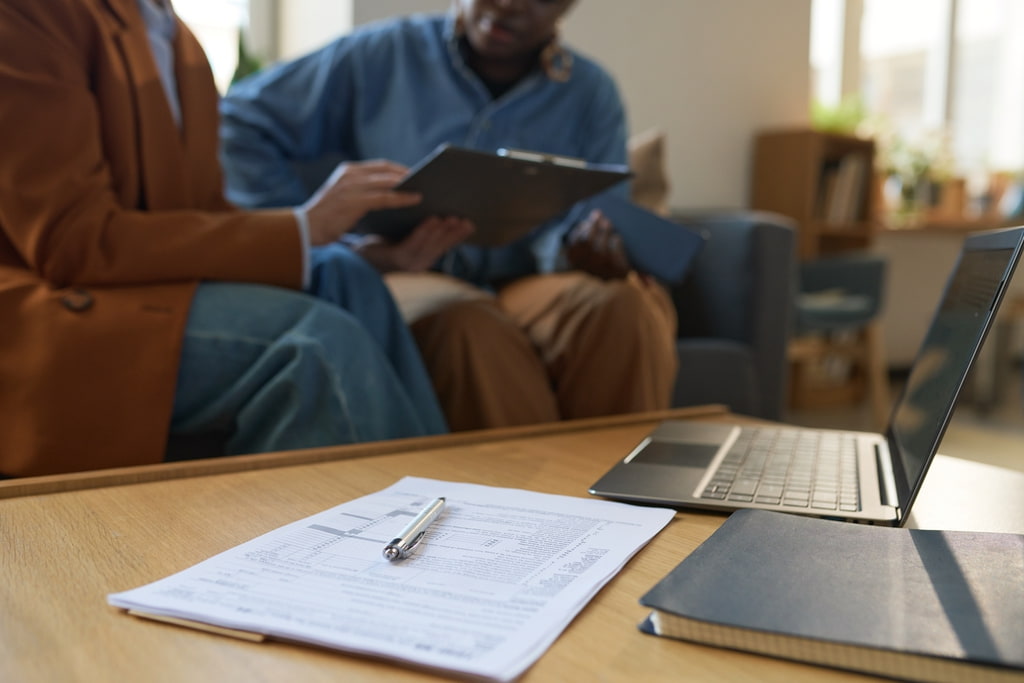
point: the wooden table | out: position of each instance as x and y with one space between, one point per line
68 541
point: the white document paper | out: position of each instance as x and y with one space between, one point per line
498 576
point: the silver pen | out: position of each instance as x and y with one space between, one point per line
400 546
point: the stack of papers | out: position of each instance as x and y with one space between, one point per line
497 578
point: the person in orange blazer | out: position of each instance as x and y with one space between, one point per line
114 234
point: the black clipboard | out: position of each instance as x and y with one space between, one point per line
506 193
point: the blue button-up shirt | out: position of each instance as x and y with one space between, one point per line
396 90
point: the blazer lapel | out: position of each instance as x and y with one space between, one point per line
161 157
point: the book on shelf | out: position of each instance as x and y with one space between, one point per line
904 603
826 189
843 183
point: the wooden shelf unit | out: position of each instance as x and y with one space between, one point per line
796 173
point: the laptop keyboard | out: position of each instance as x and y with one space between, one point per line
798 468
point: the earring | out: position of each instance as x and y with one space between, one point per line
460 20
556 61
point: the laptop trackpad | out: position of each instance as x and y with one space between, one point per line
695 455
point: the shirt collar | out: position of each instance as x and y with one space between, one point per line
455 53
159 18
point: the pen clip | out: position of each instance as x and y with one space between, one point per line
412 543
399 547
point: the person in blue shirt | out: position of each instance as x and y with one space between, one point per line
556 325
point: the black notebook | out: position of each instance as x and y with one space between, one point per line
904 603
506 194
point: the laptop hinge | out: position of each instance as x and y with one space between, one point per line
886 479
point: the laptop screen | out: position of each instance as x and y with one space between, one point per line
949 348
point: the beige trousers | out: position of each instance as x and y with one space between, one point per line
547 347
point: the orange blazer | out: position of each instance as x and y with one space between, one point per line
109 217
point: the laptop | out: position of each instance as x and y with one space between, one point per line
846 475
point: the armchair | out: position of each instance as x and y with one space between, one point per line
736 313
736 306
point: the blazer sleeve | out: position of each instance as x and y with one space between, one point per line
73 193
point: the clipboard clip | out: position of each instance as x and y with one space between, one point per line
541 158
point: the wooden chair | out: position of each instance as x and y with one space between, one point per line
837 354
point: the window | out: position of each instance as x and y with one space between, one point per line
928 70
216 24
903 56
988 102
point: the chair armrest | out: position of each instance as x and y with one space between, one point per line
742 287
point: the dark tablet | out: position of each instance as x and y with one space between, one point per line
655 245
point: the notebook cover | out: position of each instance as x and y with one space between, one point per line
655 245
505 196
939 594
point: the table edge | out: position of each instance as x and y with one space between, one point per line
76 481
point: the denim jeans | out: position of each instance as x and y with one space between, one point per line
273 369
343 278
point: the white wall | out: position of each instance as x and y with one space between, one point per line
369 10
304 25
710 73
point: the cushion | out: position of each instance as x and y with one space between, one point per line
650 186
